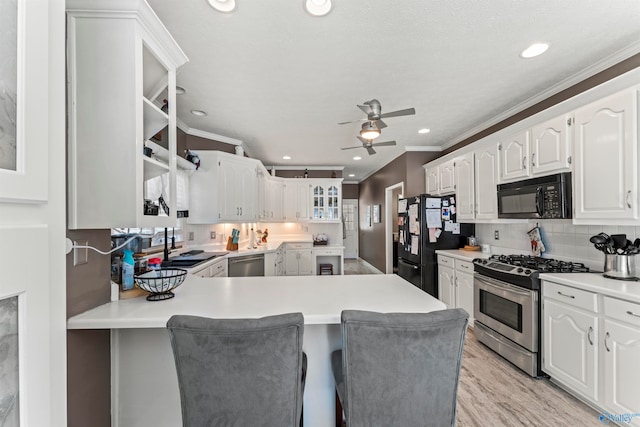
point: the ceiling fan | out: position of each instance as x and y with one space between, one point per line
369 144
373 110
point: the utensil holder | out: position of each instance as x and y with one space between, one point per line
622 267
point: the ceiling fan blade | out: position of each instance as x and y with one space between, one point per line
355 121
349 148
370 150
406 112
366 108
380 124
382 144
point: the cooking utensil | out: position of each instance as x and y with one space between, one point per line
619 242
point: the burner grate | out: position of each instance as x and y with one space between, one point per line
543 265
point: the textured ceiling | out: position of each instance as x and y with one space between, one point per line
280 80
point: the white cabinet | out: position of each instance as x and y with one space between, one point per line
455 284
513 152
217 268
465 191
328 255
606 166
280 261
326 200
112 114
550 149
486 180
223 189
270 264
296 199
446 178
298 259
271 199
431 176
591 346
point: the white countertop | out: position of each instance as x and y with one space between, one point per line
463 255
321 300
595 282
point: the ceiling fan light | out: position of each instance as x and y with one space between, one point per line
225 6
317 7
369 131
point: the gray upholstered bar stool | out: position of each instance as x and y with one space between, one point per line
399 369
239 372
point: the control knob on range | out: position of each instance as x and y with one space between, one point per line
527 272
519 270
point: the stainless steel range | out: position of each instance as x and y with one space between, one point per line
507 312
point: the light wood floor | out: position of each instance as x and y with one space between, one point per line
492 392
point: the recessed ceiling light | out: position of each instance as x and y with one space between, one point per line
286 157
317 7
351 175
223 5
424 130
180 90
534 50
357 158
198 113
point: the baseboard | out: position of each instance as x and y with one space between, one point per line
370 266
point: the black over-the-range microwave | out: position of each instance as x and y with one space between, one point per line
544 197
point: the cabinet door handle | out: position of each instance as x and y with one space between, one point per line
589 335
606 337
631 313
240 211
628 196
565 295
533 159
524 162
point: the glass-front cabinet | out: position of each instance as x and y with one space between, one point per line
326 199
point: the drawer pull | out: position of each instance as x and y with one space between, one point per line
565 295
606 337
589 335
631 313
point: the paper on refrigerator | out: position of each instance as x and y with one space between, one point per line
414 224
415 244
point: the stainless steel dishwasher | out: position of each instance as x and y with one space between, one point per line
248 265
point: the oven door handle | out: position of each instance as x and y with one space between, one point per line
502 286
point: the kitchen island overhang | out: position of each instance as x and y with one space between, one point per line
144 386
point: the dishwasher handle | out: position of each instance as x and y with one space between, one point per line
236 260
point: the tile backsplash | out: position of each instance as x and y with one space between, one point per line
562 239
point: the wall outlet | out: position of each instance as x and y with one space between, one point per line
496 235
213 234
80 256
190 235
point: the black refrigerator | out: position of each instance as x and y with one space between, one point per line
425 224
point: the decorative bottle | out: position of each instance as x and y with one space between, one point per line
127 270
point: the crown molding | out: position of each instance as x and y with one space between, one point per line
350 182
311 168
423 148
208 135
590 71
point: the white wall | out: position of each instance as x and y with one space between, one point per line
562 239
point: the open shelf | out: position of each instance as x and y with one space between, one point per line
163 154
153 168
154 119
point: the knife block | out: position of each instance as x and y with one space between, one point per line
231 246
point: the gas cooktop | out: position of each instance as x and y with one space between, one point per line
542 265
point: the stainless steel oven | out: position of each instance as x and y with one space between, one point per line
508 309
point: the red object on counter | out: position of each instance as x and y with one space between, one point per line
155 263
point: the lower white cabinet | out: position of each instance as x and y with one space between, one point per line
455 284
329 255
219 268
591 346
270 264
299 260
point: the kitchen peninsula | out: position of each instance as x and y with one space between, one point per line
144 387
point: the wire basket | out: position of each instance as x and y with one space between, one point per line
160 282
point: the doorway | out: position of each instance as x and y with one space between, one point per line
350 224
391 196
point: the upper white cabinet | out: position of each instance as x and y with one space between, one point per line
551 146
486 180
326 199
224 189
606 151
446 178
120 59
271 197
296 199
431 175
465 194
514 153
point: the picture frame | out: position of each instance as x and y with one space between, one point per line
23 104
376 214
368 216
